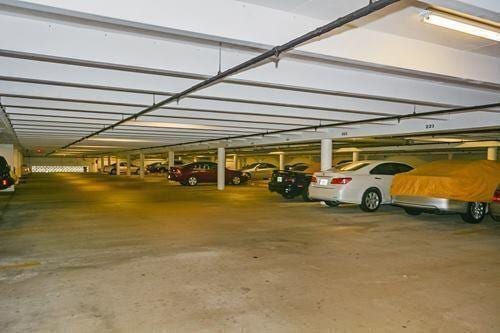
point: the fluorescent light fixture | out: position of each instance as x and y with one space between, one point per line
461 24
168 125
118 140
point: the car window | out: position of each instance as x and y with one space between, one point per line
385 169
250 166
300 167
353 166
403 168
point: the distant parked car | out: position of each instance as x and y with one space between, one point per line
297 166
258 171
495 206
366 183
111 169
203 172
294 181
157 167
463 187
6 179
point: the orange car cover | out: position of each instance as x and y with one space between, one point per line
456 180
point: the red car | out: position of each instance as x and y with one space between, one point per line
203 172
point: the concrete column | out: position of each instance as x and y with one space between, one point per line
492 153
102 164
235 161
117 161
282 161
221 168
109 160
141 165
450 156
129 172
171 159
355 156
326 154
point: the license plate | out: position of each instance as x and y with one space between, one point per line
323 182
279 179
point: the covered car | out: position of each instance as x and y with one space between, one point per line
464 187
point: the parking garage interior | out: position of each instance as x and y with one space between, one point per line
145 141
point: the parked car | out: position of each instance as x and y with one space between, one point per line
495 206
463 187
157 167
6 179
297 166
258 171
294 181
111 169
366 183
203 172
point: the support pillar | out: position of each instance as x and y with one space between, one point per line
109 160
282 161
492 153
221 168
235 161
326 154
171 159
102 164
355 156
141 165
450 156
117 160
128 166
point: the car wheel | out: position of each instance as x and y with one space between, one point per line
192 181
476 211
162 170
413 211
332 203
236 180
112 172
371 200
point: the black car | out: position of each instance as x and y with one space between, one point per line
6 179
293 181
157 167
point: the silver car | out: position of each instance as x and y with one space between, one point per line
258 171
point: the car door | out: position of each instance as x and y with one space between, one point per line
382 177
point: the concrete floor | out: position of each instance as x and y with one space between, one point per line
92 253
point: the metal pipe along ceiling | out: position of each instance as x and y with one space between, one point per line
270 54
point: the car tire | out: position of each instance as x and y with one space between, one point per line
332 203
413 211
162 170
371 200
476 211
192 181
112 172
236 180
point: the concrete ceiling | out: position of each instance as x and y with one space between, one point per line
84 65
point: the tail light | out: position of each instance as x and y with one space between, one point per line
314 179
290 180
5 182
341 181
496 196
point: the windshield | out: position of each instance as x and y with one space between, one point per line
250 166
353 166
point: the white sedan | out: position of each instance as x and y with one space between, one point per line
366 183
259 170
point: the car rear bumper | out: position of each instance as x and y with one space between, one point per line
285 188
430 203
323 193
